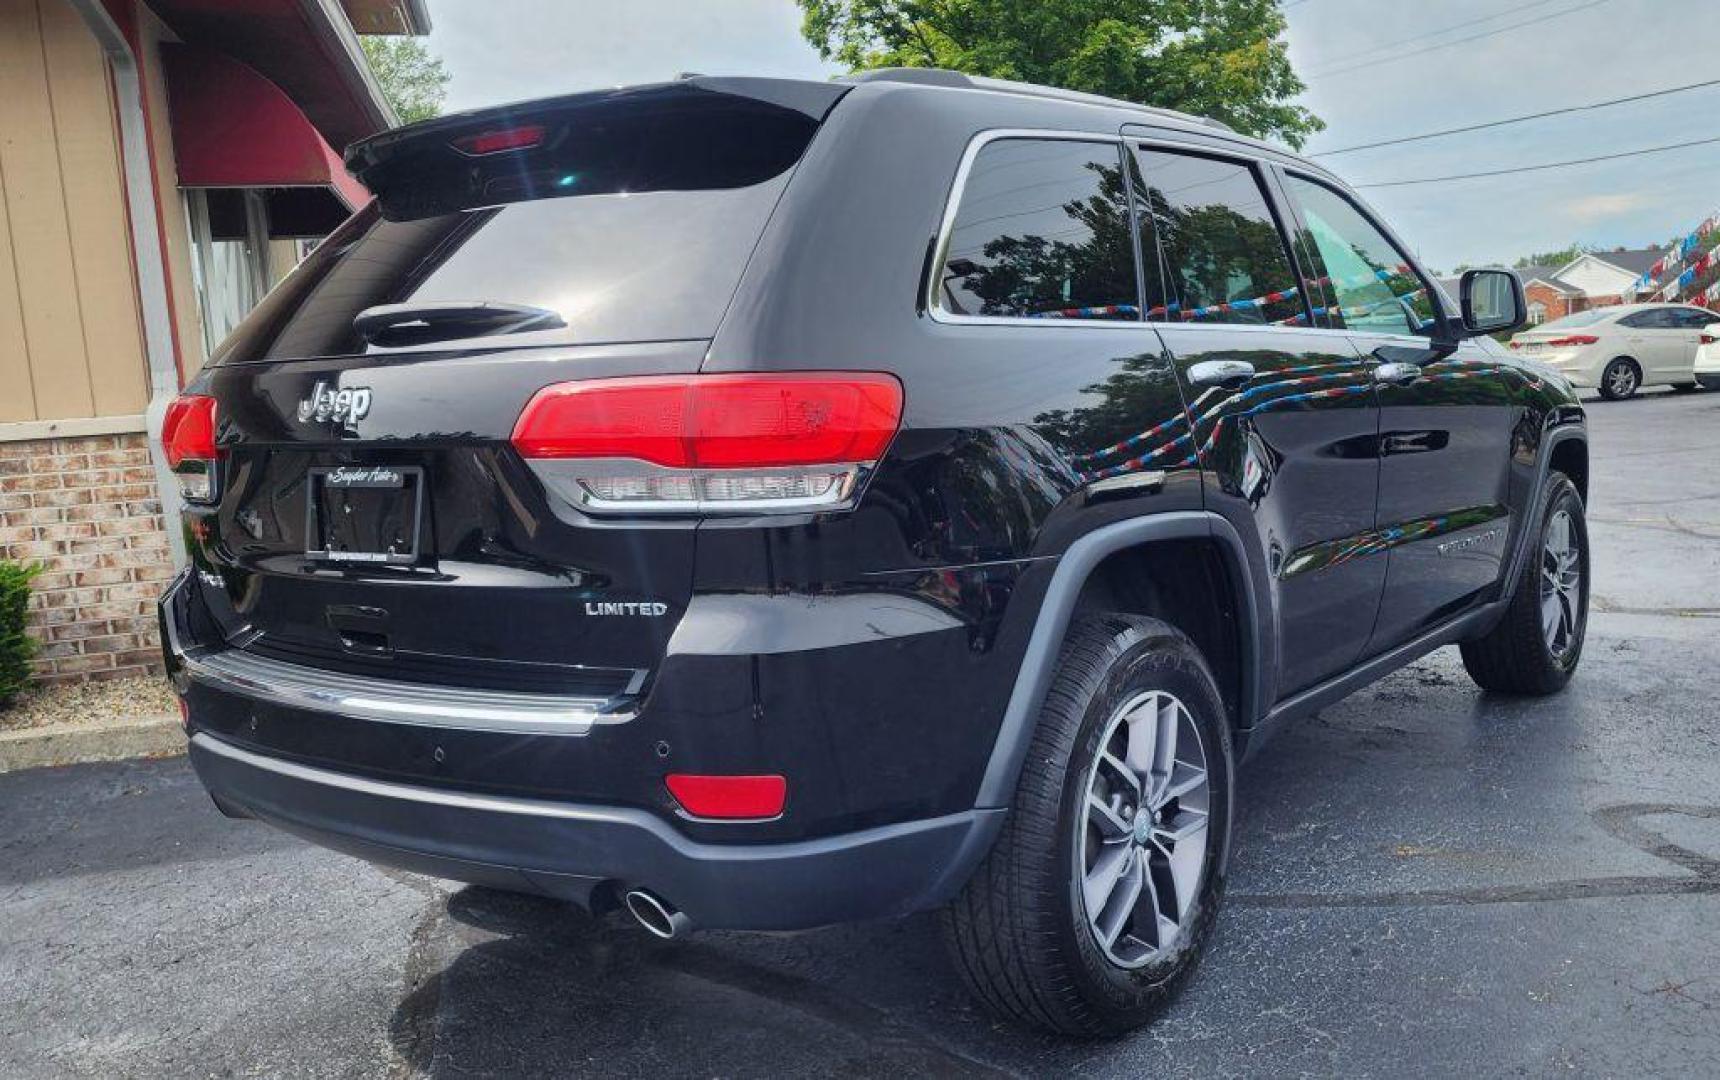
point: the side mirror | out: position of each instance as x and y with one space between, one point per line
1493 302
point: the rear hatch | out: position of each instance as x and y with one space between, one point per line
373 517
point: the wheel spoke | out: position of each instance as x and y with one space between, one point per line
1184 779
1143 736
1121 903
1165 755
1119 769
1101 881
1186 861
1549 616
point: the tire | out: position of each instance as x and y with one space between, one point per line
1020 932
1621 379
1522 655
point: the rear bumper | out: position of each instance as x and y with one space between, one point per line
1709 380
570 851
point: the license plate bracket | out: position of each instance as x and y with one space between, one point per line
364 514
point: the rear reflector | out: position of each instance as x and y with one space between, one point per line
695 443
729 797
188 441
523 137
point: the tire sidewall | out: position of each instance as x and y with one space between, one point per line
1169 663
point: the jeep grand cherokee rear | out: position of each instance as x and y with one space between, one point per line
769 503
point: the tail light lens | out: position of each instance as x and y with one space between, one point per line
710 443
1574 339
732 797
1710 339
188 440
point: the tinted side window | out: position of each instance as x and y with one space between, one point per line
1042 231
1370 284
1219 257
1692 319
1652 319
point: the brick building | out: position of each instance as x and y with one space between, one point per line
162 163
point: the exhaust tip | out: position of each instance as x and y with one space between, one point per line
656 915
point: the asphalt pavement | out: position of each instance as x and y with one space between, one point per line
1426 880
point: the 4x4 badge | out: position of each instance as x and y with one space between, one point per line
347 405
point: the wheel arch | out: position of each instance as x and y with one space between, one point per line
1085 573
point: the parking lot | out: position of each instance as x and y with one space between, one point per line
1425 880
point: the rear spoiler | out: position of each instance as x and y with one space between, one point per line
365 158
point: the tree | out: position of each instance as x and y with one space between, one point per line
412 78
1554 258
1220 58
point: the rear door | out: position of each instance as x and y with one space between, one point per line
1445 430
373 516
1655 341
1689 323
1285 415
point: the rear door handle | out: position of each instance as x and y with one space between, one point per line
1220 372
1397 374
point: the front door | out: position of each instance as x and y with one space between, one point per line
1445 424
1284 416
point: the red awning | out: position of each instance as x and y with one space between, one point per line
234 128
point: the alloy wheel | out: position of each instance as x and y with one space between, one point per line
1141 848
1622 380
1561 584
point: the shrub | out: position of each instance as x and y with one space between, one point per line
15 645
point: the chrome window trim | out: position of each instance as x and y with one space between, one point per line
946 226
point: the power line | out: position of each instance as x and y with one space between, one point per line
1542 168
1389 45
1457 41
1520 119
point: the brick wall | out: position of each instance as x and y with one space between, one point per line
87 509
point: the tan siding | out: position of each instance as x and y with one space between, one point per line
36 207
17 398
95 196
70 334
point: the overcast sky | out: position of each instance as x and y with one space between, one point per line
1589 50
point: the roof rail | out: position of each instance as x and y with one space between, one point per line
963 81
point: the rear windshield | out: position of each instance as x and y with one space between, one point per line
630 224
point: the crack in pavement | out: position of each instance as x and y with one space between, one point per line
1622 822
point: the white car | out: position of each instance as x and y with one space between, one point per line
1708 356
1619 350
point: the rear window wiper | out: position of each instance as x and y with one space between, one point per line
410 324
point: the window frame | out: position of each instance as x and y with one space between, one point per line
931 299
1436 294
1260 169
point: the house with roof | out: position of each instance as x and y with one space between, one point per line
1595 279
162 164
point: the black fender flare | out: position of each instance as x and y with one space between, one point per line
1039 662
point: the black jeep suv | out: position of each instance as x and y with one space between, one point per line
762 504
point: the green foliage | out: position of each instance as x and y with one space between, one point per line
1220 58
411 76
1554 258
16 647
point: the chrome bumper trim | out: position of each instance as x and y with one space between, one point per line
419 704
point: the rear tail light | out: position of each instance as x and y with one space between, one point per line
188 440
1574 339
731 797
1710 339
710 443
